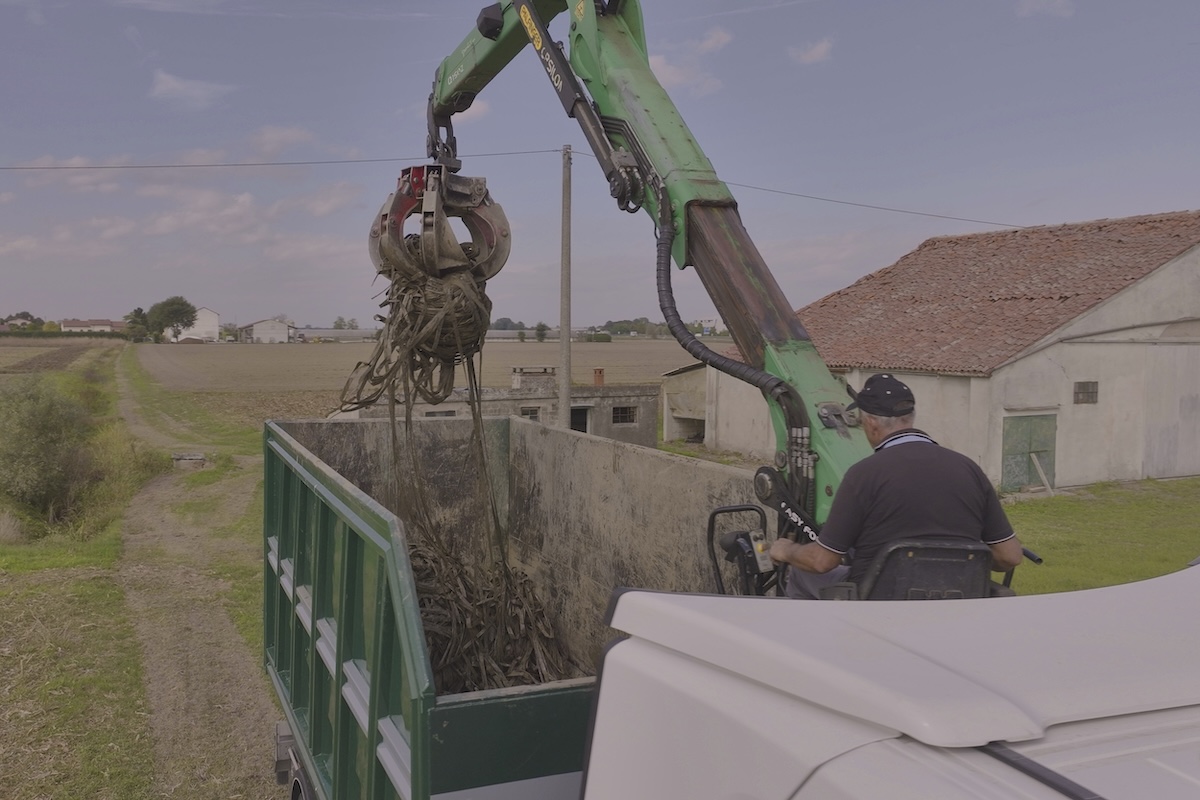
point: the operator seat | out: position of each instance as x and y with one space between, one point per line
923 569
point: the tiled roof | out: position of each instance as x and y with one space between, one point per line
966 304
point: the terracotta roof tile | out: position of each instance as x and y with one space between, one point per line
966 304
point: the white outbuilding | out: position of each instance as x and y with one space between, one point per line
206 328
1058 356
266 331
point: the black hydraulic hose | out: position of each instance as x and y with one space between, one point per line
771 385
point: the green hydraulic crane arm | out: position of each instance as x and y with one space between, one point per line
652 160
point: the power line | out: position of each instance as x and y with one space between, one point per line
876 208
503 154
247 164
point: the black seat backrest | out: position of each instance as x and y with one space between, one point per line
928 569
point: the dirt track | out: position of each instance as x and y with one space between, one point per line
211 709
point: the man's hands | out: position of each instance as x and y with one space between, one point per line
810 557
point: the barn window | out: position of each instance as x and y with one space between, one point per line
530 412
1087 392
623 415
440 413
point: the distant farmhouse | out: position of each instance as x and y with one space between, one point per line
92 325
1061 355
266 331
207 327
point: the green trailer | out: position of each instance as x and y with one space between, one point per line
344 645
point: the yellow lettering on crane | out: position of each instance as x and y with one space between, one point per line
530 29
579 10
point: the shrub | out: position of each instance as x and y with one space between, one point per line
44 460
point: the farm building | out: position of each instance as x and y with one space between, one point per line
1071 349
336 334
92 325
266 331
626 413
207 327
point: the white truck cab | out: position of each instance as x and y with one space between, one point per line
1091 694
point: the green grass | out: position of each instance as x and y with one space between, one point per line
244 598
176 415
76 722
62 550
1108 534
222 467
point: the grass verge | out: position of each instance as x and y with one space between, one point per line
1108 534
75 720
244 577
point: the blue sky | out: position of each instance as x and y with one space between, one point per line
994 112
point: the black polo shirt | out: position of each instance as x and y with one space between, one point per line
911 487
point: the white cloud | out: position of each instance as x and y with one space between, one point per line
714 40
271 140
202 155
331 251
204 211
478 110
682 67
12 245
322 203
813 53
7 197
185 94
1053 8
77 173
113 227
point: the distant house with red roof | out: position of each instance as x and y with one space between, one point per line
92 325
1073 349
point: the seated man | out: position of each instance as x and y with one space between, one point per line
910 487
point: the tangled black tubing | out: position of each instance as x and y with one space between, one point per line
485 627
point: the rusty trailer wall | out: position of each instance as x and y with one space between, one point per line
582 514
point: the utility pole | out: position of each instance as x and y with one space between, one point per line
564 299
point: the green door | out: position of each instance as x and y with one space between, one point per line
1025 438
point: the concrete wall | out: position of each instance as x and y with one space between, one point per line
543 403
582 515
590 514
737 417
682 399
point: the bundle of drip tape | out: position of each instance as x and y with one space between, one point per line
432 326
484 626
485 629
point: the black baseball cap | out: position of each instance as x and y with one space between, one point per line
883 396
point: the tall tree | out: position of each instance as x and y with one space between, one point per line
174 313
339 324
138 325
540 331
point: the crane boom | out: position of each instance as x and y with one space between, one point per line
653 162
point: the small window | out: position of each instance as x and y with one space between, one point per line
1087 392
440 413
530 412
623 415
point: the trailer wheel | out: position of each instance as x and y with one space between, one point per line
300 788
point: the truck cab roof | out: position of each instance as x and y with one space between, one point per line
956 673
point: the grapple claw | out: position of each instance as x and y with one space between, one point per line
434 251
